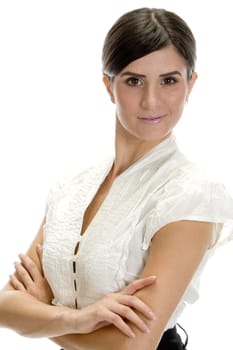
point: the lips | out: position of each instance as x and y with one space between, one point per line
151 119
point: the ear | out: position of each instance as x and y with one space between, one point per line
191 83
108 85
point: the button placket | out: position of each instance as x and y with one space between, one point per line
75 274
75 280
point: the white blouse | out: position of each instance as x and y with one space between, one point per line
161 187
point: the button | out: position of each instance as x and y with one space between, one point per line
75 285
76 303
74 266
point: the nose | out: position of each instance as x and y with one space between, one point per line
151 98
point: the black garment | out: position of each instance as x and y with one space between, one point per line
171 340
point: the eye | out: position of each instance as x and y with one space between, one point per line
169 81
133 81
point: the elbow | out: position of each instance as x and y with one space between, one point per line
28 333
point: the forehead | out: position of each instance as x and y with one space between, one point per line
160 61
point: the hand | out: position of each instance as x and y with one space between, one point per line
114 308
117 309
28 278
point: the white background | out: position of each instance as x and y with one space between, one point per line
56 118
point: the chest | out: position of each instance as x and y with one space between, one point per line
95 204
102 240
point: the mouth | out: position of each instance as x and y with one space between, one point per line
151 119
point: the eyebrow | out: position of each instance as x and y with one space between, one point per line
128 73
132 73
174 72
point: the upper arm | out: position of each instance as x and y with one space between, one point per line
31 252
175 254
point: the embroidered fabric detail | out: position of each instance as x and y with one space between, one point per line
161 187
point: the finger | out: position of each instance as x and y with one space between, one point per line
16 283
22 274
127 313
136 304
118 322
39 250
138 284
30 267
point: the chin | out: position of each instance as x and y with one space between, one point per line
154 138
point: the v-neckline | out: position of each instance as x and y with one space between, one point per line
103 173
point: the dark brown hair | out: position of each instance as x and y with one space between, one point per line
142 31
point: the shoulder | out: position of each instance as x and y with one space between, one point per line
68 183
188 193
73 185
183 176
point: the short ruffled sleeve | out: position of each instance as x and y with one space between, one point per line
67 184
55 191
198 200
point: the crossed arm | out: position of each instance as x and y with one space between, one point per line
25 304
175 253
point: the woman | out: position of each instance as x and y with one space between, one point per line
147 212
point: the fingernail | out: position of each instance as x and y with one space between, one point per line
131 334
152 315
146 329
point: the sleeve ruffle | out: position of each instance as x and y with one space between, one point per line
201 200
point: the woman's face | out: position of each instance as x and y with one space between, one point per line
150 94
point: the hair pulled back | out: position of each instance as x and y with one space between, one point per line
145 30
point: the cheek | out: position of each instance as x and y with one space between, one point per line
124 101
177 100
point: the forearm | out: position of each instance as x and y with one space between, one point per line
111 338
102 339
29 317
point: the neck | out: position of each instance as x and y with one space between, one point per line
129 149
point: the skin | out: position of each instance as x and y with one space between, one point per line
32 304
143 90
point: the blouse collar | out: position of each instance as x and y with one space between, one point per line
156 155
